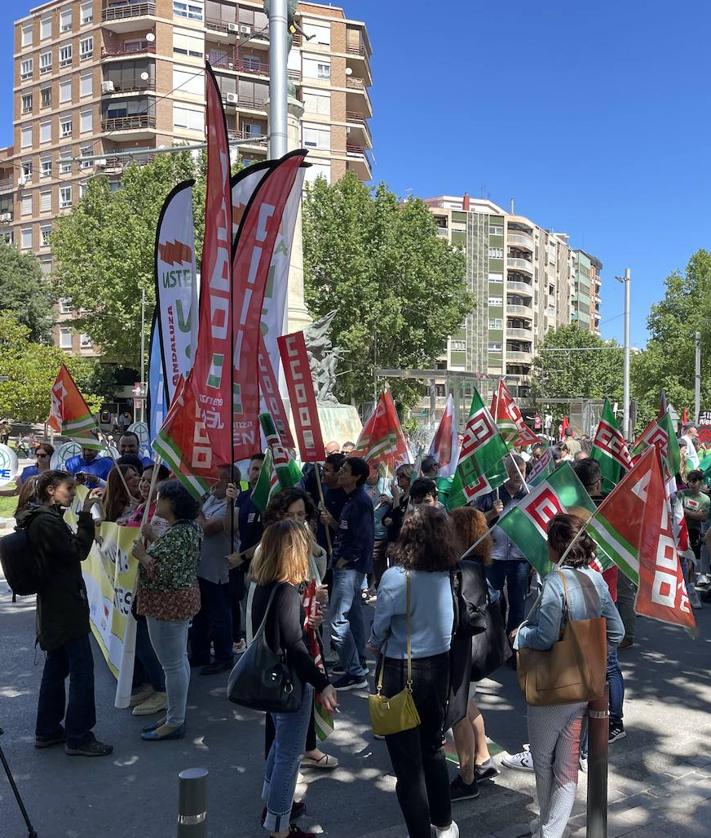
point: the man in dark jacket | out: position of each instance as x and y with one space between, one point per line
63 618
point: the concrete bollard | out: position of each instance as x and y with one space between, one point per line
192 803
598 735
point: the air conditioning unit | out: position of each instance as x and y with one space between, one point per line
100 163
22 180
230 98
244 29
233 27
107 87
5 217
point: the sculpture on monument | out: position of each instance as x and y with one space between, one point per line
323 358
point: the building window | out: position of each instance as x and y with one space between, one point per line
46 167
65 91
458 345
85 342
65 55
317 170
317 34
65 338
26 238
185 43
85 122
46 201
190 119
496 253
45 28
45 62
26 205
316 137
65 21
315 69
26 166
45 233
45 132
27 35
187 80
496 231
8 236
494 346
317 103
65 305
86 151
86 48
86 85
65 197
65 162
46 97
86 13
27 103
65 126
496 301
191 11
496 323
26 69
26 137
323 71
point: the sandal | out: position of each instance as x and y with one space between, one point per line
326 762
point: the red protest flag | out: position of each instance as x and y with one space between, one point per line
445 443
297 373
382 439
253 250
69 414
508 417
269 387
211 370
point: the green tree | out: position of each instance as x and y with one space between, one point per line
668 360
104 251
28 370
398 289
573 363
24 293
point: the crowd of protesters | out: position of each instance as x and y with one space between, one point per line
210 574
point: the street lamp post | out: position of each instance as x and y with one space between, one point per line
278 80
625 280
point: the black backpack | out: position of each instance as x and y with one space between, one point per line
19 563
468 584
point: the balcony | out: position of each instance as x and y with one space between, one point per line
524 288
518 264
253 66
137 85
122 50
358 129
137 126
6 184
249 138
358 161
519 356
518 333
357 99
522 311
520 239
122 18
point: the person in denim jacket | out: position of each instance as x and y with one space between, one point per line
554 731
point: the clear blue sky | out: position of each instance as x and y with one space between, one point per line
593 116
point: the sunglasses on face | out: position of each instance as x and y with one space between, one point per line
41 454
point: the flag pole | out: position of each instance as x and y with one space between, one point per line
496 422
151 490
323 504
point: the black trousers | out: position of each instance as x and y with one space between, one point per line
417 755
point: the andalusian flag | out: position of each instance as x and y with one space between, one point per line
266 484
285 466
69 414
609 449
526 523
660 433
545 466
509 420
382 439
481 467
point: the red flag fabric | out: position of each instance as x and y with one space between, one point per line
508 417
69 414
684 416
382 439
445 443
253 251
564 425
299 382
211 378
271 396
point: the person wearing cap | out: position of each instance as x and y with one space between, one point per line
690 435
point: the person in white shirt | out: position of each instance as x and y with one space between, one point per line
690 435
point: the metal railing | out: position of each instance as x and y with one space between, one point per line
243 135
357 50
127 49
519 287
519 237
355 149
6 184
521 264
355 84
128 123
254 66
125 11
249 104
136 86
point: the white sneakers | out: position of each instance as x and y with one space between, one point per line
452 831
522 761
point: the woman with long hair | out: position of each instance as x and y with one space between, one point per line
279 567
554 731
120 497
43 456
425 554
467 722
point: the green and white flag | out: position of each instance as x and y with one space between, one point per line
609 450
526 523
266 484
480 468
543 468
660 433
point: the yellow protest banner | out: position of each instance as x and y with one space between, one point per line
110 574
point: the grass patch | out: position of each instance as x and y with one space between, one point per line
7 505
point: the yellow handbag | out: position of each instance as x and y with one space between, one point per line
396 714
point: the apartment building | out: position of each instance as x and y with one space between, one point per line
526 280
101 83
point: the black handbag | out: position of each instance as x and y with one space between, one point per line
261 679
490 648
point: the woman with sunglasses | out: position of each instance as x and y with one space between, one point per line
43 456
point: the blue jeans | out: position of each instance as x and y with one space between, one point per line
514 574
283 762
212 622
346 615
617 686
74 659
145 653
170 640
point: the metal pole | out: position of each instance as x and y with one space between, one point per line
192 802
697 378
598 735
626 383
143 355
278 79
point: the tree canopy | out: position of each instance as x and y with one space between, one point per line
30 369
104 251
397 288
24 292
